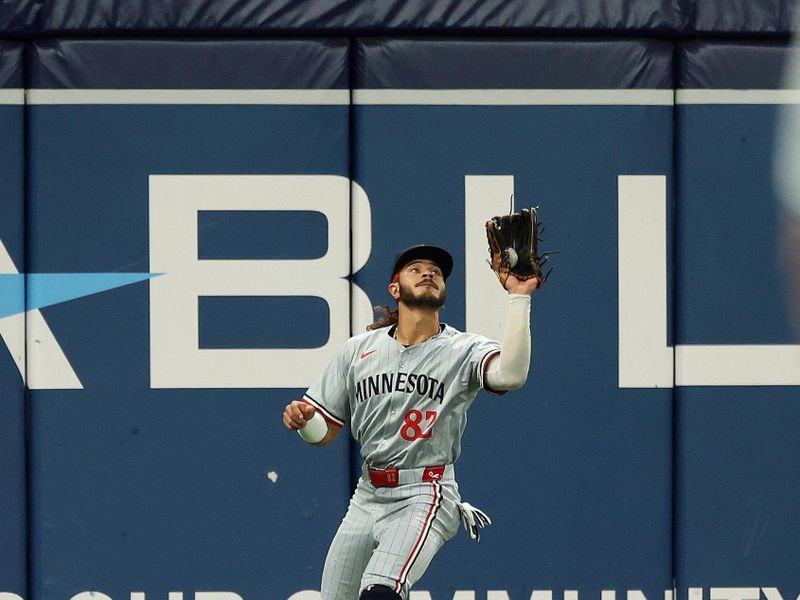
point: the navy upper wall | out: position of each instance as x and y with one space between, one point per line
737 66
663 18
11 65
212 64
415 63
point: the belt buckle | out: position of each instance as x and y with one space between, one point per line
383 477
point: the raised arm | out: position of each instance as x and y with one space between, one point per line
509 369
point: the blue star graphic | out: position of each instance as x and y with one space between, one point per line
47 289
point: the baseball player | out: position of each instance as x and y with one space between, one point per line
405 388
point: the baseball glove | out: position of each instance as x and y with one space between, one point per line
514 246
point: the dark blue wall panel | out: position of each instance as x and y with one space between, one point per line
737 66
736 453
417 63
675 18
661 16
157 490
751 17
12 396
223 64
575 472
21 18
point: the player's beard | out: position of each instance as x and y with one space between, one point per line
423 301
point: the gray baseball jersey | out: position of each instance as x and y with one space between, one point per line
407 406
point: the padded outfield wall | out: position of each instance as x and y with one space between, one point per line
201 203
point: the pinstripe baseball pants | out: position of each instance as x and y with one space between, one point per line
389 537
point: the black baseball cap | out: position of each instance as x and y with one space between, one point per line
423 251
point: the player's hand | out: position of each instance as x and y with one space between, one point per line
514 285
297 413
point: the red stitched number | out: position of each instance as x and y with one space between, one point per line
412 425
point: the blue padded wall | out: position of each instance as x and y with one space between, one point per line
674 18
152 191
12 324
575 472
142 485
736 441
658 16
743 17
22 18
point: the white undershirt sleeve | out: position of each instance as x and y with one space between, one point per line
509 369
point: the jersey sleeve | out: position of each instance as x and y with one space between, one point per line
482 350
329 394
